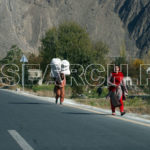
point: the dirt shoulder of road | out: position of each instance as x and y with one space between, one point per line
136 105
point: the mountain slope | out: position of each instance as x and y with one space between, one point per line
24 22
135 15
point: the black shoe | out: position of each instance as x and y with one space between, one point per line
123 113
60 103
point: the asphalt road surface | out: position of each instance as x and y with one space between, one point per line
30 124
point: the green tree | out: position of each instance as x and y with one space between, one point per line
70 41
34 59
74 43
48 49
134 68
13 55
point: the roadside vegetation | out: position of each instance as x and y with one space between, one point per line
135 105
72 42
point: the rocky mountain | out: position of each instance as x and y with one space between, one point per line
24 22
135 15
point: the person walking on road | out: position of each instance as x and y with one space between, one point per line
117 90
59 89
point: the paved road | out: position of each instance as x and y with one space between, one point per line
46 126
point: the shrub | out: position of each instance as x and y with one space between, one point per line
43 88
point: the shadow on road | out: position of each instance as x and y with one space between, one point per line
28 103
74 113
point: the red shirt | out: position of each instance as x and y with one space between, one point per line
115 79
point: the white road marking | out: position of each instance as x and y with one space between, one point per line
20 140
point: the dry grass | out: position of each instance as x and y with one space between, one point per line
1 85
49 92
139 110
134 106
45 93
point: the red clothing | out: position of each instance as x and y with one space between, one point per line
115 81
60 90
